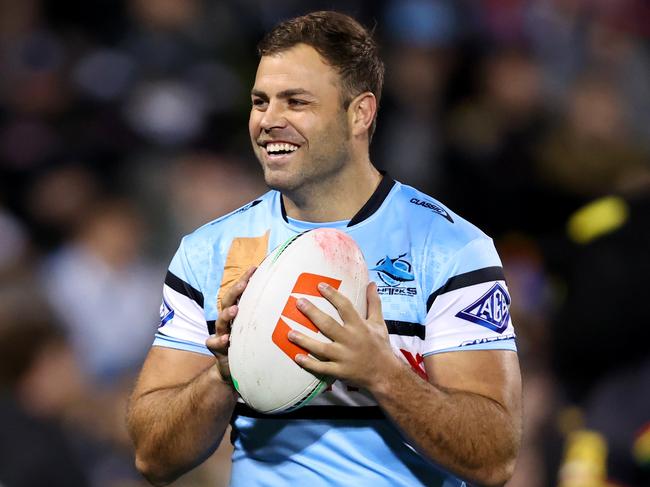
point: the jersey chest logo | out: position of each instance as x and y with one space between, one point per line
395 273
492 310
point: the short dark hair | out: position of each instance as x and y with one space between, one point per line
342 42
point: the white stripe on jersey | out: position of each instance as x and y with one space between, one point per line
445 330
188 323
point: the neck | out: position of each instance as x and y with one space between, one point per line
338 198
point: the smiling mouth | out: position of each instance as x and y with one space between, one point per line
277 149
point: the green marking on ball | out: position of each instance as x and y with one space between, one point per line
283 247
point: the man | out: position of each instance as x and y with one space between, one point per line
453 414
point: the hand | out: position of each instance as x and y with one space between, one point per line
219 342
360 351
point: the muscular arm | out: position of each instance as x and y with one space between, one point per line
183 401
178 413
467 418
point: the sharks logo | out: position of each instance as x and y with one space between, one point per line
393 273
492 310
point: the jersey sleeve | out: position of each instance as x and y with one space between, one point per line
182 317
471 310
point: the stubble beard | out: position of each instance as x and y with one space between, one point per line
318 170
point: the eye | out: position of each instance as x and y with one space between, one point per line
296 102
259 103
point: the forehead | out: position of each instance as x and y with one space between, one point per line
298 67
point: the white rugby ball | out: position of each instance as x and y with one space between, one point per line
261 357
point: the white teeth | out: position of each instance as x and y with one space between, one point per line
280 147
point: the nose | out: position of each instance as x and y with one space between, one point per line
273 117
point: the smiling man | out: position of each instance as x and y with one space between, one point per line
305 134
428 390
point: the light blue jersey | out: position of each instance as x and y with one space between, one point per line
442 289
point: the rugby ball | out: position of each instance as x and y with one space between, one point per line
261 357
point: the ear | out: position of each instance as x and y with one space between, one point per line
361 113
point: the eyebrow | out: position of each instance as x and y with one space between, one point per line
283 94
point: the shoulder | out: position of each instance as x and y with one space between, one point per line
439 224
245 219
204 250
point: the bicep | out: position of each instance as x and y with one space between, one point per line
490 373
168 367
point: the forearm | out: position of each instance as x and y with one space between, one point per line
176 428
467 434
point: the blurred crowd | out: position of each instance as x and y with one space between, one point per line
123 126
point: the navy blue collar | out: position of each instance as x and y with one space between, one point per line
370 207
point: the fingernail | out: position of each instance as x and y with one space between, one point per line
291 335
323 286
300 358
301 303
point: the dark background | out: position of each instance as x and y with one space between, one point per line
123 126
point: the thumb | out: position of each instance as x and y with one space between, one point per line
374 303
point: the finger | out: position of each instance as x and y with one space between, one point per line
235 291
374 303
222 325
318 349
315 366
324 322
218 344
249 273
342 304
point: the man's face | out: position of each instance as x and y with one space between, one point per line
298 126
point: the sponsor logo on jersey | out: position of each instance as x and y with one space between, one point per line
394 273
433 207
166 313
492 310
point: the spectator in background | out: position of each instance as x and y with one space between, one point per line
99 287
96 283
600 350
607 269
490 146
57 201
203 186
592 151
39 382
422 36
